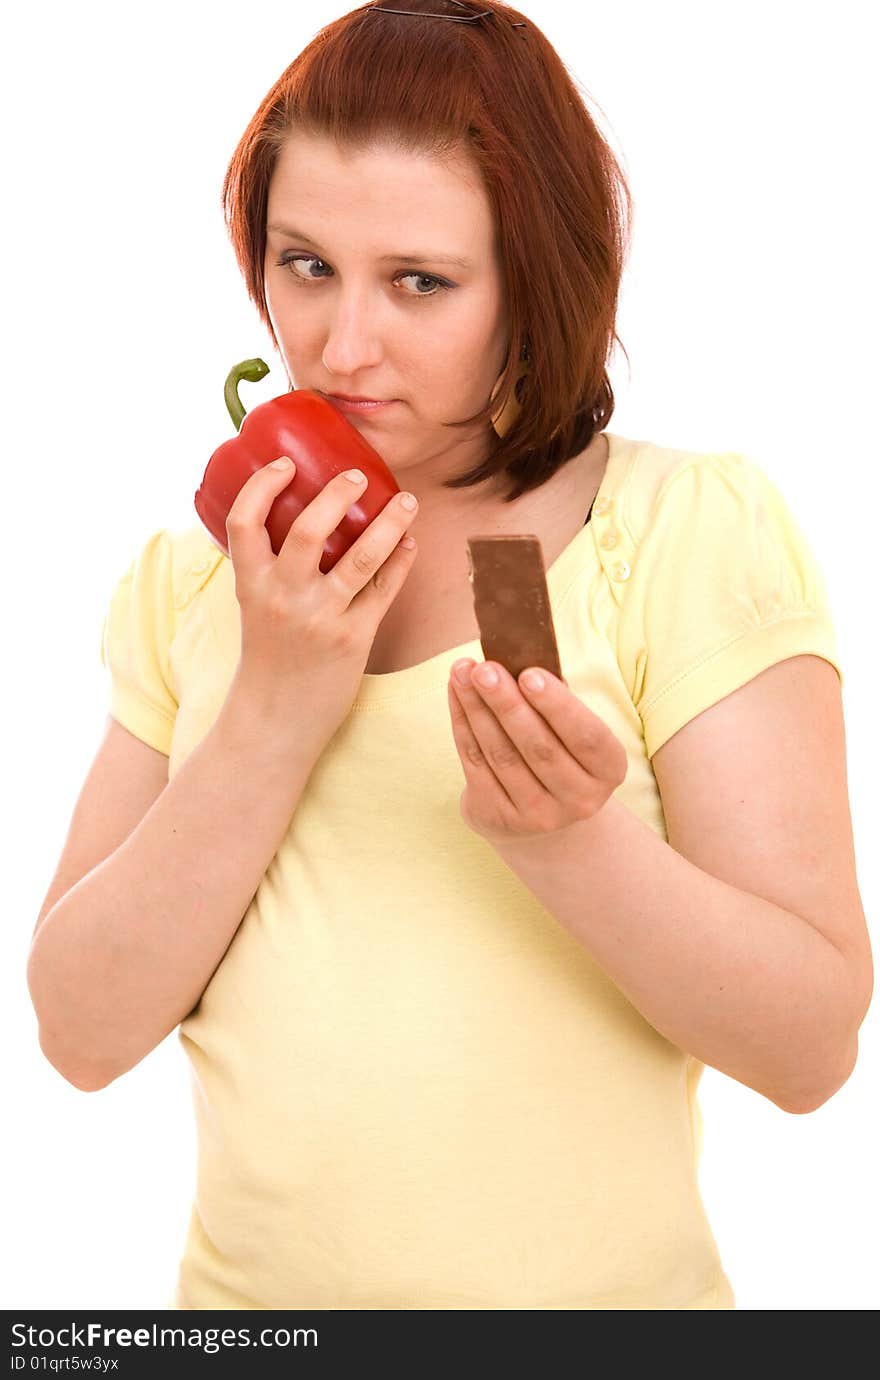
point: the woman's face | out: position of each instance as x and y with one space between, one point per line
358 252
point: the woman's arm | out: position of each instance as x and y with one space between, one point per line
771 992
121 958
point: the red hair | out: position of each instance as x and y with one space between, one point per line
496 89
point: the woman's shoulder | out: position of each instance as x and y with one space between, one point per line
194 559
645 472
653 495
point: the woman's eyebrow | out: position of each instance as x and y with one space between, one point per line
384 258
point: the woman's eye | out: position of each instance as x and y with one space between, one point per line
437 284
287 259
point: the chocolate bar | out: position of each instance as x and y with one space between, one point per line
512 604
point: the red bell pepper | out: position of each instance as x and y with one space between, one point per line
308 428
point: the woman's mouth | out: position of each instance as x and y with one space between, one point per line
358 405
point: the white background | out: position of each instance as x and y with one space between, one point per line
747 133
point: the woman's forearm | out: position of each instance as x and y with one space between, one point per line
740 983
125 955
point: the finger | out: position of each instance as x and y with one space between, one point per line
303 545
492 753
477 770
586 737
568 778
361 571
249 544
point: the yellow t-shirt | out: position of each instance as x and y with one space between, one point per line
414 1089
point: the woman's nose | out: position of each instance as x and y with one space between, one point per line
353 342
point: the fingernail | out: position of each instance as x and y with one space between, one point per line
487 675
462 672
355 476
284 463
533 680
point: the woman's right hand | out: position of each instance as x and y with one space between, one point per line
305 636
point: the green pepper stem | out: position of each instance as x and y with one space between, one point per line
250 369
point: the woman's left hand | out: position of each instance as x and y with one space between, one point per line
535 761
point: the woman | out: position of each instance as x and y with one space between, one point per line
448 958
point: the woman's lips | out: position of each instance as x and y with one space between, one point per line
345 406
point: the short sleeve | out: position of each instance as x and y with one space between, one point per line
135 641
724 584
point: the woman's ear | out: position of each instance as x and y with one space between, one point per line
508 414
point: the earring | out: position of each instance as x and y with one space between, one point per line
508 414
